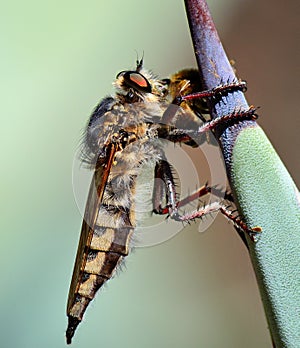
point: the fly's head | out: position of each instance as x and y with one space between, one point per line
140 85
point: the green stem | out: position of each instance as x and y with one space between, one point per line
264 192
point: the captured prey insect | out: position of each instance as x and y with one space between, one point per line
124 133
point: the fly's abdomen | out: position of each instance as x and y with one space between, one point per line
107 249
108 246
109 222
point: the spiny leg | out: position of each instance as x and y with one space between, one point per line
176 135
215 93
236 116
165 188
193 137
215 207
186 135
189 136
240 225
202 191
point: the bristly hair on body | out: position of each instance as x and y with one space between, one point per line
121 137
125 134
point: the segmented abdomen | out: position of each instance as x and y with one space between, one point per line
115 224
108 246
110 234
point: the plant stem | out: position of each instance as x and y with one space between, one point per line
263 190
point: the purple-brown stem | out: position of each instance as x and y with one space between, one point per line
215 68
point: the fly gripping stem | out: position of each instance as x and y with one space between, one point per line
209 209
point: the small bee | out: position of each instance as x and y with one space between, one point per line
125 133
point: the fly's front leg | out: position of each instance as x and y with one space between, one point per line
214 95
217 92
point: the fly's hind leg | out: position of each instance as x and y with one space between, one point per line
165 190
214 207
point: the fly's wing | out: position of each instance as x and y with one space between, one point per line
97 188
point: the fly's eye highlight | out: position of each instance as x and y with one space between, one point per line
135 80
138 79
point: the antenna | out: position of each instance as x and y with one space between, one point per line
139 63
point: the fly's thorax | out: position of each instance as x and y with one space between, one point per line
126 168
129 117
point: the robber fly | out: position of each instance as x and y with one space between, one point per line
123 134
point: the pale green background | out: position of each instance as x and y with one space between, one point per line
57 59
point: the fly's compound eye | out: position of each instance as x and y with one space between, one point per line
135 80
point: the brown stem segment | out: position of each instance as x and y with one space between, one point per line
212 61
215 68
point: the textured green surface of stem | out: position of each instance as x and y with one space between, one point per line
264 192
268 197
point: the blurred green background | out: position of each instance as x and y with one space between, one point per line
57 59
